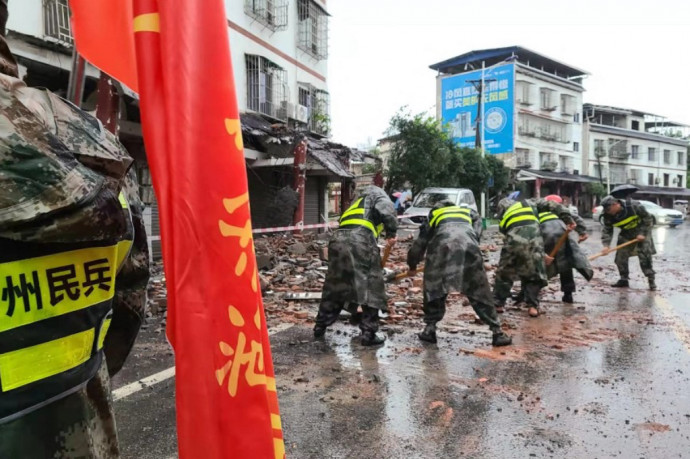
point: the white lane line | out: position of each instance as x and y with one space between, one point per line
136 386
677 325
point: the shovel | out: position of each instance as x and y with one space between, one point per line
601 254
386 254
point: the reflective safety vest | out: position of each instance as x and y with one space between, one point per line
354 216
546 216
55 310
629 222
519 214
450 214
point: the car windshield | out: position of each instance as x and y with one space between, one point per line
651 205
430 199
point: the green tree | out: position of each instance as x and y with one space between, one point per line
422 154
500 174
477 172
596 189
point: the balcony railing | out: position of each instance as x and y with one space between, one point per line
56 21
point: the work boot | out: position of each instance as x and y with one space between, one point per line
355 318
621 283
568 297
533 311
501 339
369 338
429 334
500 307
319 331
652 284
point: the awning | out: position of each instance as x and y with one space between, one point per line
528 175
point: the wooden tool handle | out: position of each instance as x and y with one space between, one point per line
559 243
407 274
601 254
386 254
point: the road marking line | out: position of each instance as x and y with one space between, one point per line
136 386
681 331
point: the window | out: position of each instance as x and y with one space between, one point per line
266 86
666 179
679 181
651 154
271 13
576 118
548 161
545 98
312 33
667 156
56 20
576 146
522 157
635 151
567 105
681 158
523 91
599 149
650 179
635 125
634 175
318 103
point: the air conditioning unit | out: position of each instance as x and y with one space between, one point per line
287 109
301 113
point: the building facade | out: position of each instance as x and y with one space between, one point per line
620 147
280 58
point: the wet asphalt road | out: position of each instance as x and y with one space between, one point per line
606 377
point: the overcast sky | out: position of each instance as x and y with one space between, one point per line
637 52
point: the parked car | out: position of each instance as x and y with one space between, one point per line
428 197
660 215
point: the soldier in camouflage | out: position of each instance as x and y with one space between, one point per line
522 255
355 275
67 190
453 263
635 223
569 256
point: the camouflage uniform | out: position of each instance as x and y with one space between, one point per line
633 220
453 263
60 176
569 256
522 255
354 273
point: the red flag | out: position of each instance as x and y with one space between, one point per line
227 406
103 33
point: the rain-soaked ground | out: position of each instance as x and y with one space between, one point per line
605 377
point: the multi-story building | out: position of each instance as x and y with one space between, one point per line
532 106
620 147
280 55
532 112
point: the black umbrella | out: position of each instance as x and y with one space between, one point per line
624 191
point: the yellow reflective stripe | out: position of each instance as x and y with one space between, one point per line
57 284
438 212
24 366
379 228
105 326
454 215
515 213
546 216
347 213
523 218
513 209
123 200
360 222
123 249
627 220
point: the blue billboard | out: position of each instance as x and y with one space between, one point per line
460 101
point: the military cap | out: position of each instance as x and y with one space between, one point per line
608 201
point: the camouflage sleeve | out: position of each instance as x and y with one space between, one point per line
646 220
606 231
386 210
129 302
418 248
581 228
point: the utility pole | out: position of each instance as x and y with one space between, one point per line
479 128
